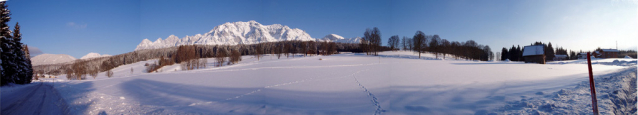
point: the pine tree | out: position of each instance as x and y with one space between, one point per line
549 51
513 54
4 31
29 67
519 56
504 54
24 72
9 67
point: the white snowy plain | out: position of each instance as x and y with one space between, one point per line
348 83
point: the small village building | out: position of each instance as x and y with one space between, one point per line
582 55
534 54
560 57
607 53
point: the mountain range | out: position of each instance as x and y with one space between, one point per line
234 33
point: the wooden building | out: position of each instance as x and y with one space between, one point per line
607 53
560 57
534 54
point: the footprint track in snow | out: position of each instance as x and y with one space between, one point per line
373 98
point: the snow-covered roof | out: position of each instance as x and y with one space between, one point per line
533 50
610 50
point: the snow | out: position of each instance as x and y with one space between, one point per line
234 33
94 55
348 83
44 59
533 50
599 61
615 94
340 39
29 99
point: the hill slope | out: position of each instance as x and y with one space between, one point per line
94 55
43 59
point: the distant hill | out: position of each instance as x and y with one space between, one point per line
43 59
94 55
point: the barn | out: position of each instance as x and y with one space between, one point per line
534 54
608 53
560 57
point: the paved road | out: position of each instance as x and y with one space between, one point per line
35 99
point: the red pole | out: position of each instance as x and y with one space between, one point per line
594 102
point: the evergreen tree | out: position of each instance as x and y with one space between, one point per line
9 67
549 52
519 56
4 31
24 71
504 54
513 54
29 67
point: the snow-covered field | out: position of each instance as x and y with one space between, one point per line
348 83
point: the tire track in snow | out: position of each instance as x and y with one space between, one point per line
373 99
20 102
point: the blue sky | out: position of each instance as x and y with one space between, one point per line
77 27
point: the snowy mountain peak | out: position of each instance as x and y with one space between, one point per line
93 55
340 39
234 33
333 37
146 41
44 59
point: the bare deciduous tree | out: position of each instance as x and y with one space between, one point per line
419 42
393 42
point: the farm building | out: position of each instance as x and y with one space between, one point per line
607 53
583 55
534 54
560 57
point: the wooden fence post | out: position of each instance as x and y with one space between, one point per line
594 102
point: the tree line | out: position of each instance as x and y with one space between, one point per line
15 58
422 43
515 53
192 57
